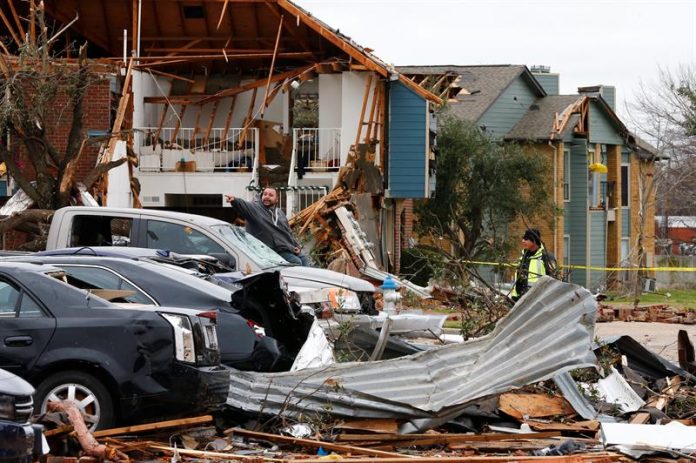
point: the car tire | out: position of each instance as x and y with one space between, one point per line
93 399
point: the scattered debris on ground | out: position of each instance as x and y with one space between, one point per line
535 389
661 313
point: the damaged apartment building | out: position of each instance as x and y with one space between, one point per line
225 97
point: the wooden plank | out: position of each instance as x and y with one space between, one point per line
177 125
211 121
228 120
15 16
373 106
270 72
208 454
143 428
368 87
222 14
375 425
520 405
444 438
594 457
315 444
9 27
659 402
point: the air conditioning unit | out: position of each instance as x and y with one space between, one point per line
649 285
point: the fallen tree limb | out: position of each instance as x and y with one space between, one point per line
89 444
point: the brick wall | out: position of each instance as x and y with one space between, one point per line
96 116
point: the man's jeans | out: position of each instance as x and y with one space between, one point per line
297 259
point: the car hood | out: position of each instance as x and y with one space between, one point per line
311 277
14 385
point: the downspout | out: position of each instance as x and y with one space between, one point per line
555 197
140 17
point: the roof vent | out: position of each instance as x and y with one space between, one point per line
541 69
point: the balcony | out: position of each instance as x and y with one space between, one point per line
171 149
317 150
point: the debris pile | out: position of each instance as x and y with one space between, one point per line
661 313
534 388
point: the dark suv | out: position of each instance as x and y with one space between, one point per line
121 365
20 442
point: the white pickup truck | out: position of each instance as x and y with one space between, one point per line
194 234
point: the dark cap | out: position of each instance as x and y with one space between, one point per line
532 234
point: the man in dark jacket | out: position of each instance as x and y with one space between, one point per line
267 222
531 263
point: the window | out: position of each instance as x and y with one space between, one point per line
625 249
179 238
566 175
17 303
87 277
28 308
625 182
92 230
9 295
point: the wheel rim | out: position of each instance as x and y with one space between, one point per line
83 398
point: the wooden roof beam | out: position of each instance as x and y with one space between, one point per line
292 30
331 36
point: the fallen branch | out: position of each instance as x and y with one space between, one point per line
89 444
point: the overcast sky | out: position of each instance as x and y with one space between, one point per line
612 42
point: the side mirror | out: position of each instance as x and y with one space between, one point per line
226 259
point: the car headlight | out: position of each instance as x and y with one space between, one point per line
7 407
344 300
184 345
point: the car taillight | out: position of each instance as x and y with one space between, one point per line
185 349
259 330
211 314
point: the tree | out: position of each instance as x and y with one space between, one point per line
664 112
482 185
41 95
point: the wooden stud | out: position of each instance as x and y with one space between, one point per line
370 119
153 426
211 120
228 120
16 18
270 72
222 14
368 86
177 125
10 29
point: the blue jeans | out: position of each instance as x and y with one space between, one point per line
297 259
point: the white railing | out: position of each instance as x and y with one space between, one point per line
317 150
219 150
292 199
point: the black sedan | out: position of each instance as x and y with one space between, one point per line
259 327
121 365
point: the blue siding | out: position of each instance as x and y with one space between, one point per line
625 222
598 247
575 212
602 129
549 82
408 143
608 92
508 109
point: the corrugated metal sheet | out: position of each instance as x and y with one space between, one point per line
548 332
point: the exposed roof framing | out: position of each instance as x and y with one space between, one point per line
187 37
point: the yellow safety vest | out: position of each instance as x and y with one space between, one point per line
535 270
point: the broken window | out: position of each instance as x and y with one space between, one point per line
90 230
96 278
179 238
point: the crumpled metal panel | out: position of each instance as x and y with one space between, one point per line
549 331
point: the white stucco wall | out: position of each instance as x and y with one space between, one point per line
352 93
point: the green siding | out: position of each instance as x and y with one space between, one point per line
608 92
602 129
508 109
408 160
625 222
575 212
598 247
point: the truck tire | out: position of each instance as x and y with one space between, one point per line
90 395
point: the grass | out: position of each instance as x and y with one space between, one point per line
679 298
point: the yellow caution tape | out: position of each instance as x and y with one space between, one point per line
603 269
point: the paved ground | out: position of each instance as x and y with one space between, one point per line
660 338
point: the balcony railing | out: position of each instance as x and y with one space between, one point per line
196 150
317 150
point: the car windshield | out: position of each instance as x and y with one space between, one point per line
261 254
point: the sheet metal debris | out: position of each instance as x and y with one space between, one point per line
435 385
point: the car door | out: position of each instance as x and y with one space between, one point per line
25 328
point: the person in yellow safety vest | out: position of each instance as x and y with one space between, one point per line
531 264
